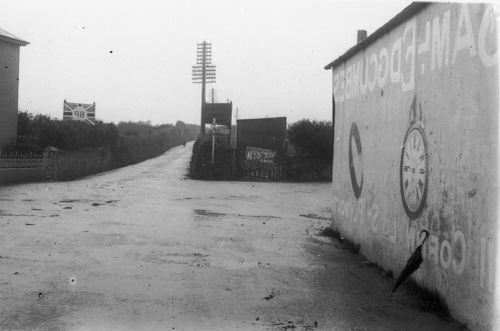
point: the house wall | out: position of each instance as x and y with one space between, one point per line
436 76
9 82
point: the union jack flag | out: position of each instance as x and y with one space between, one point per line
79 112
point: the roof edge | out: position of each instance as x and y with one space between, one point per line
409 11
15 41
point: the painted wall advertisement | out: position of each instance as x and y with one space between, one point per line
254 155
416 129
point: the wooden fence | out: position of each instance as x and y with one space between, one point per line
275 171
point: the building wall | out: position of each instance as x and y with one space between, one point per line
436 76
9 82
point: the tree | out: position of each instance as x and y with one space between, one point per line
312 139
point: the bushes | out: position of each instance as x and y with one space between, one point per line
313 142
36 132
201 166
312 160
128 142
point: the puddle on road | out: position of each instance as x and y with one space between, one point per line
12 215
204 212
230 197
191 259
315 216
241 197
267 217
111 202
70 200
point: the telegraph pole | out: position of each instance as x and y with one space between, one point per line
204 73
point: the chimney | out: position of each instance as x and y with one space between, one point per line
361 35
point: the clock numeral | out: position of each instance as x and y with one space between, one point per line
421 185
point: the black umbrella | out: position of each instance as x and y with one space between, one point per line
413 263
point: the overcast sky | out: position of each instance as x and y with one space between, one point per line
133 58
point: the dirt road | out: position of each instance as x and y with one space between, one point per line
144 248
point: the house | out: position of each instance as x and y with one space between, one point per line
9 85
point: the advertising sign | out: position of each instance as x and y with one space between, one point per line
79 111
259 155
220 111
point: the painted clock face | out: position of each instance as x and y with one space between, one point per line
413 172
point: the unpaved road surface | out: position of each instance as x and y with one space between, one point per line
144 248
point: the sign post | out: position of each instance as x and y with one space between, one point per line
235 144
213 141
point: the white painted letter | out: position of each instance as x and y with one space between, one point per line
459 267
341 86
363 80
396 51
409 63
373 82
383 70
466 40
488 24
433 248
440 41
348 80
356 71
445 258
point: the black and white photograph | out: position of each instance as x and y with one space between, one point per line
287 165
